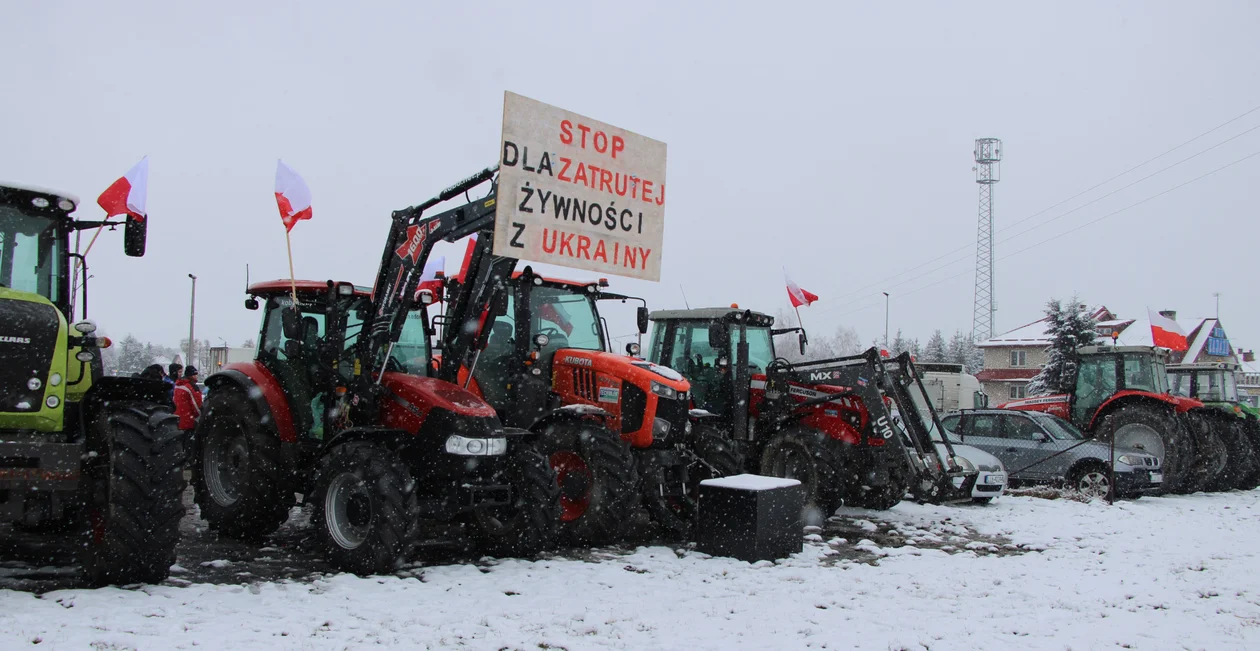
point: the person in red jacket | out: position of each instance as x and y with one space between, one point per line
188 400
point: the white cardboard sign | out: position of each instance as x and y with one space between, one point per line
578 193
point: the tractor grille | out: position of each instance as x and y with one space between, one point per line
584 384
674 412
28 338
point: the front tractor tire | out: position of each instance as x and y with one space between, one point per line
132 486
241 484
531 523
597 478
675 515
813 458
365 514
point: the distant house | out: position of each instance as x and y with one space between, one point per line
1013 358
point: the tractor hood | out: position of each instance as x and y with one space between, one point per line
426 393
637 371
30 328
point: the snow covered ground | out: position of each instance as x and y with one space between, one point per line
1022 573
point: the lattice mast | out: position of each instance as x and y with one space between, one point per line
988 171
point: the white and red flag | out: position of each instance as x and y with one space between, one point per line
799 296
127 195
292 196
1165 332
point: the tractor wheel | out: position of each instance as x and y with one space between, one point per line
884 497
597 479
1091 479
531 523
1153 430
813 458
239 478
675 515
365 513
1211 457
1238 451
1250 429
132 486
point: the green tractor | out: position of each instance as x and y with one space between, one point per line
93 462
1215 384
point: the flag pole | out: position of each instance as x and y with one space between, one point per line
292 281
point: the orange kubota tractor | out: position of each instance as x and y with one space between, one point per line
341 406
615 427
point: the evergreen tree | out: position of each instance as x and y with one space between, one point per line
131 356
1069 327
899 344
935 351
956 351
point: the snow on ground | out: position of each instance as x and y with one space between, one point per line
1022 573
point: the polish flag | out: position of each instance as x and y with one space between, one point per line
1166 332
127 195
799 296
429 279
292 195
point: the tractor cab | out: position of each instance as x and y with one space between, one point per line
1107 371
1207 382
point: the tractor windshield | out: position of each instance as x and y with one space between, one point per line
760 348
411 354
30 253
568 319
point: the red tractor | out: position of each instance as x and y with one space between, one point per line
1121 394
614 427
828 423
341 406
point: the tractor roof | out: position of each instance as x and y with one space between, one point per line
269 287
1103 350
1204 366
11 192
704 314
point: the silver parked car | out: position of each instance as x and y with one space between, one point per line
1042 449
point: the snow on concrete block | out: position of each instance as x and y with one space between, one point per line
751 518
751 482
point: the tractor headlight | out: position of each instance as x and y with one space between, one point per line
52 402
664 391
34 384
660 428
473 447
85 327
55 379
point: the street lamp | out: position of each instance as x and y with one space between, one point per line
192 312
886 320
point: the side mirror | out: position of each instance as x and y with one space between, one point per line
802 340
135 232
632 349
291 323
719 337
642 315
1042 437
251 303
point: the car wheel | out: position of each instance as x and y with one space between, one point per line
982 500
1090 480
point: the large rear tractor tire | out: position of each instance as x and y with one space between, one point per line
1238 449
814 459
242 486
531 523
1211 456
1251 432
133 483
597 479
675 515
365 513
1154 430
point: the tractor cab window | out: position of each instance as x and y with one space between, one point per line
1179 384
274 341
568 319
760 348
411 353
30 253
1095 382
692 356
1216 386
1142 373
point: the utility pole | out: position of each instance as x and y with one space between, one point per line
1218 305
988 168
192 313
886 344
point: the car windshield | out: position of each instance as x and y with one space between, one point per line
29 253
1057 427
569 319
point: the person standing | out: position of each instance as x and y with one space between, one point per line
172 376
188 405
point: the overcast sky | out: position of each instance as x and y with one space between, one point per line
834 139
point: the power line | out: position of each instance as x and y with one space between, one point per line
970 247
1067 232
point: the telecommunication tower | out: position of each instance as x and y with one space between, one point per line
988 171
